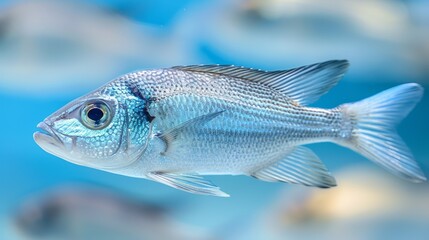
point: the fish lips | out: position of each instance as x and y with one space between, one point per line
57 144
48 140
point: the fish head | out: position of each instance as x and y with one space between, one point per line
106 129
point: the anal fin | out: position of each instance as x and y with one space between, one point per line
301 166
188 183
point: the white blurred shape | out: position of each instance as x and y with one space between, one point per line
378 37
53 46
377 18
86 213
366 204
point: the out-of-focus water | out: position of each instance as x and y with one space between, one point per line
38 76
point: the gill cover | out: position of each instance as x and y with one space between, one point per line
102 131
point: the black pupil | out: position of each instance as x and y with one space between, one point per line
95 114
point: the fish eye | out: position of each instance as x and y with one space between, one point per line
95 115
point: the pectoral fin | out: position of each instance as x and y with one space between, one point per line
301 166
169 136
188 183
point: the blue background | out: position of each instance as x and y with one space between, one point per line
45 66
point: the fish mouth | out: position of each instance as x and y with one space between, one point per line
47 139
46 132
55 144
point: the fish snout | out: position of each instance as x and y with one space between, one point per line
50 141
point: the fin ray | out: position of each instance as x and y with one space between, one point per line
301 166
374 135
188 183
303 84
170 135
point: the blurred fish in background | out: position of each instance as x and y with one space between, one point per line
369 33
55 45
88 212
53 51
375 206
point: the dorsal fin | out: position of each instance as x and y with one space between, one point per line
303 84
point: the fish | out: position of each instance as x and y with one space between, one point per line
90 212
175 125
17 21
383 202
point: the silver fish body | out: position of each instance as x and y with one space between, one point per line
174 125
248 132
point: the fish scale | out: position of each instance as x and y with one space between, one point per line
238 129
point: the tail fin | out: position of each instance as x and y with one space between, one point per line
374 135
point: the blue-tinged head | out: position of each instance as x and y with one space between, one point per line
105 129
